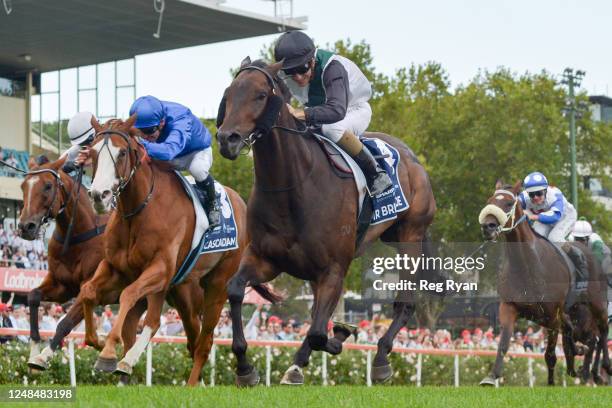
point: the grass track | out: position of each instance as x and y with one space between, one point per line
337 396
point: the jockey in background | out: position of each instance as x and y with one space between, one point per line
583 232
172 133
81 133
335 93
552 216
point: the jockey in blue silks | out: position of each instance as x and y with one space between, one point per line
172 133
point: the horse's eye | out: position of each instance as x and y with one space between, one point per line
121 153
262 96
48 186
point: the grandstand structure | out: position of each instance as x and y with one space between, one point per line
93 44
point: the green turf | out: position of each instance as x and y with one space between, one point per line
337 396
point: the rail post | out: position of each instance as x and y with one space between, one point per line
268 364
456 370
149 373
71 362
369 368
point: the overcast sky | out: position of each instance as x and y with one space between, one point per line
464 36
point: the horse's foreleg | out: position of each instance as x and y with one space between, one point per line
588 358
48 290
253 270
155 302
569 347
550 355
507 319
215 295
153 280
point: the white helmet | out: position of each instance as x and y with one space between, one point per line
582 229
80 128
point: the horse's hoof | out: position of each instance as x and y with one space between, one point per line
571 373
488 381
597 379
37 364
293 376
248 380
381 374
123 368
108 365
346 329
581 349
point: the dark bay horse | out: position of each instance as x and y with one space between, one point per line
147 238
302 218
533 282
48 193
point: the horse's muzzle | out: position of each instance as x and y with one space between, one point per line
490 230
101 200
27 230
230 144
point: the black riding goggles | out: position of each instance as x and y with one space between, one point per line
299 70
149 130
537 193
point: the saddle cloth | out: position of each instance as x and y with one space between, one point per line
387 205
222 238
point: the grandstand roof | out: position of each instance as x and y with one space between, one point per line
66 33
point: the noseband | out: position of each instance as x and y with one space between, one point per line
503 217
123 182
269 114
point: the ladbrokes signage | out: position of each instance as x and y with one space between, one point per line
20 280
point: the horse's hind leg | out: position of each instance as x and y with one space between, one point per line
188 298
381 369
550 355
253 270
215 295
507 319
588 357
569 347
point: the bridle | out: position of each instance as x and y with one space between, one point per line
59 184
511 214
124 181
257 134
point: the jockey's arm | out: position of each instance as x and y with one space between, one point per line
598 251
173 145
335 81
555 212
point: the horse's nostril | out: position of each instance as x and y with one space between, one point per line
491 225
234 138
106 193
30 226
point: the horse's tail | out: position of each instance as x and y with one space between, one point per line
265 292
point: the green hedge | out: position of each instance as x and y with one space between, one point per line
172 365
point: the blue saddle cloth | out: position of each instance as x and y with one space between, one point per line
387 205
222 238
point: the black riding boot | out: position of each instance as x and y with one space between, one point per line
582 269
207 188
378 180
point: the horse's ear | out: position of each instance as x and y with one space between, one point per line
274 68
245 62
58 164
499 184
517 187
32 163
130 122
95 124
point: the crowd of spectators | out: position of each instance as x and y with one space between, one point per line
20 253
264 326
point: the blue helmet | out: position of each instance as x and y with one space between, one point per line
149 111
535 181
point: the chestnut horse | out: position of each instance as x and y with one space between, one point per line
49 193
534 281
302 217
147 238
